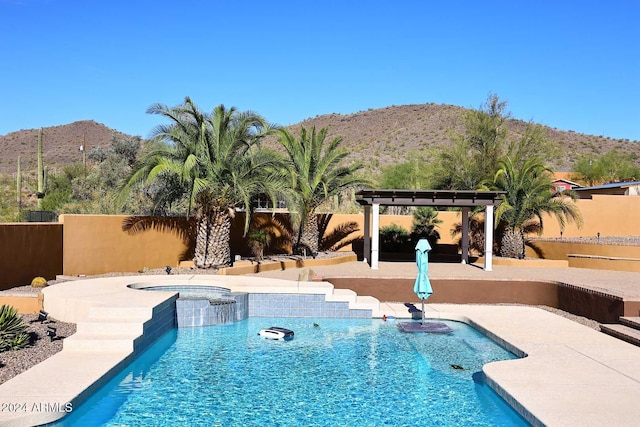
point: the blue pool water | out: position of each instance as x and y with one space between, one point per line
342 372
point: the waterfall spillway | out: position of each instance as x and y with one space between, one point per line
222 311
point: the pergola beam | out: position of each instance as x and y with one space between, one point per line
443 198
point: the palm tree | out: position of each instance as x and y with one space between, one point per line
425 222
475 233
315 175
216 158
528 196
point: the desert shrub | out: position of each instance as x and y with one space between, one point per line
394 238
425 222
258 239
13 331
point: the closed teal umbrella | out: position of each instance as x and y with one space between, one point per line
422 287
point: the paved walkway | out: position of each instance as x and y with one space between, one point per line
622 284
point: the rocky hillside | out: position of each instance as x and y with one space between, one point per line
386 135
377 137
61 144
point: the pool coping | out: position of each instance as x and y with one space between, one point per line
571 375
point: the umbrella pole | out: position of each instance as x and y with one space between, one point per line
423 311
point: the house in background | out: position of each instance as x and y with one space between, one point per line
629 188
560 184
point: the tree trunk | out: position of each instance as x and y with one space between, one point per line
512 244
310 233
308 240
213 238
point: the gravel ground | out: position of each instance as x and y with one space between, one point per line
13 362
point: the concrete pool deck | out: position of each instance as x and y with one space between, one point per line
571 375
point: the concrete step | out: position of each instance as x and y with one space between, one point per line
625 333
365 303
133 314
342 295
100 342
632 322
112 327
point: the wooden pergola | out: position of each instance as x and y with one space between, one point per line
466 200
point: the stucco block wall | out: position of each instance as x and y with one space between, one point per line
29 250
605 263
607 215
561 250
25 304
96 244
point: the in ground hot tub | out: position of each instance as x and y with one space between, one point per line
203 305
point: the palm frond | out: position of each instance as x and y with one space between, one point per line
339 236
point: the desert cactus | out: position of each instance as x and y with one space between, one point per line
19 187
42 173
38 282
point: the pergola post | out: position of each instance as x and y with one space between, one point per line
375 236
488 238
465 235
367 235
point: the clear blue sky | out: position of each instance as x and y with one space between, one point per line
570 64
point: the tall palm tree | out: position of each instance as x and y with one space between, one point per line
315 173
216 158
528 196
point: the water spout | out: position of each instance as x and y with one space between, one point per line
221 311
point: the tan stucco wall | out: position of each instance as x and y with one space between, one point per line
29 250
605 263
96 244
560 250
26 304
607 215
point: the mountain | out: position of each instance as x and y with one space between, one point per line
388 135
60 144
377 137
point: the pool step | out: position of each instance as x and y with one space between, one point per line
365 303
342 295
628 330
355 302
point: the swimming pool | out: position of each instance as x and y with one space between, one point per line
342 372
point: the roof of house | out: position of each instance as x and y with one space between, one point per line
610 185
574 184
